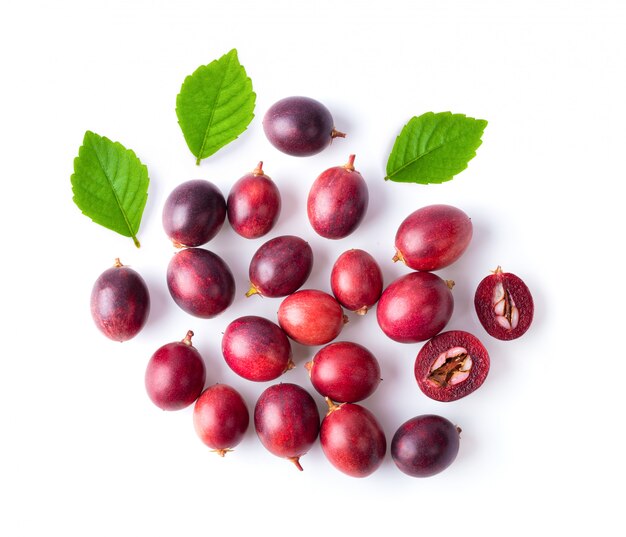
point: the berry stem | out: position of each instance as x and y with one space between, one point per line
117 263
252 291
450 284
350 165
362 311
296 461
187 340
259 169
337 134
332 406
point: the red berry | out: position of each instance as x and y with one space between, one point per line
451 365
504 305
356 281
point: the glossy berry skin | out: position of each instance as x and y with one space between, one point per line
352 439
287 421
120 302
425 445
337 201
193 213
253 204
256 348
280 266
356 281
433 237
200 282
345 372
451 365
415 307
299 126
504 305
311 317
175 375
221 418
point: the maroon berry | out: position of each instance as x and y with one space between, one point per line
451 365
280 267
253 204
504 305
120 302
344 372
299 126
175 375
356 281
193 213
220 418
433 237
338 201
200 282
311 317
256 348
415 307
287 421
352 439
425 445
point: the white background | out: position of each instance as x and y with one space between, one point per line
83 450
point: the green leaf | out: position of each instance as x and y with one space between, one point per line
433 148
215 105
110 185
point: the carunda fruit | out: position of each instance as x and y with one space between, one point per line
451 365
337 201
175 375
253 204
345 372
299 126
193 213
120 302
425 445
311 317
286 421
356 281
256 349
220 418
433 237
280 266
504 305
352 439
415 307
200 282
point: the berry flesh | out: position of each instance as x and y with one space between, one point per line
433 237
256 348
287 421
425 445
220 418
193 213
120 302
311 317
344 372
299 126
356 281
352 439
337 201
253 204
280 266
175 375
200 282
451 365
415 307
504 305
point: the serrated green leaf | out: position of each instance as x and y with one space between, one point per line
215 105
433 148
110 185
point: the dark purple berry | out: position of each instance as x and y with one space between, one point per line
299 126
120 302
193 213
